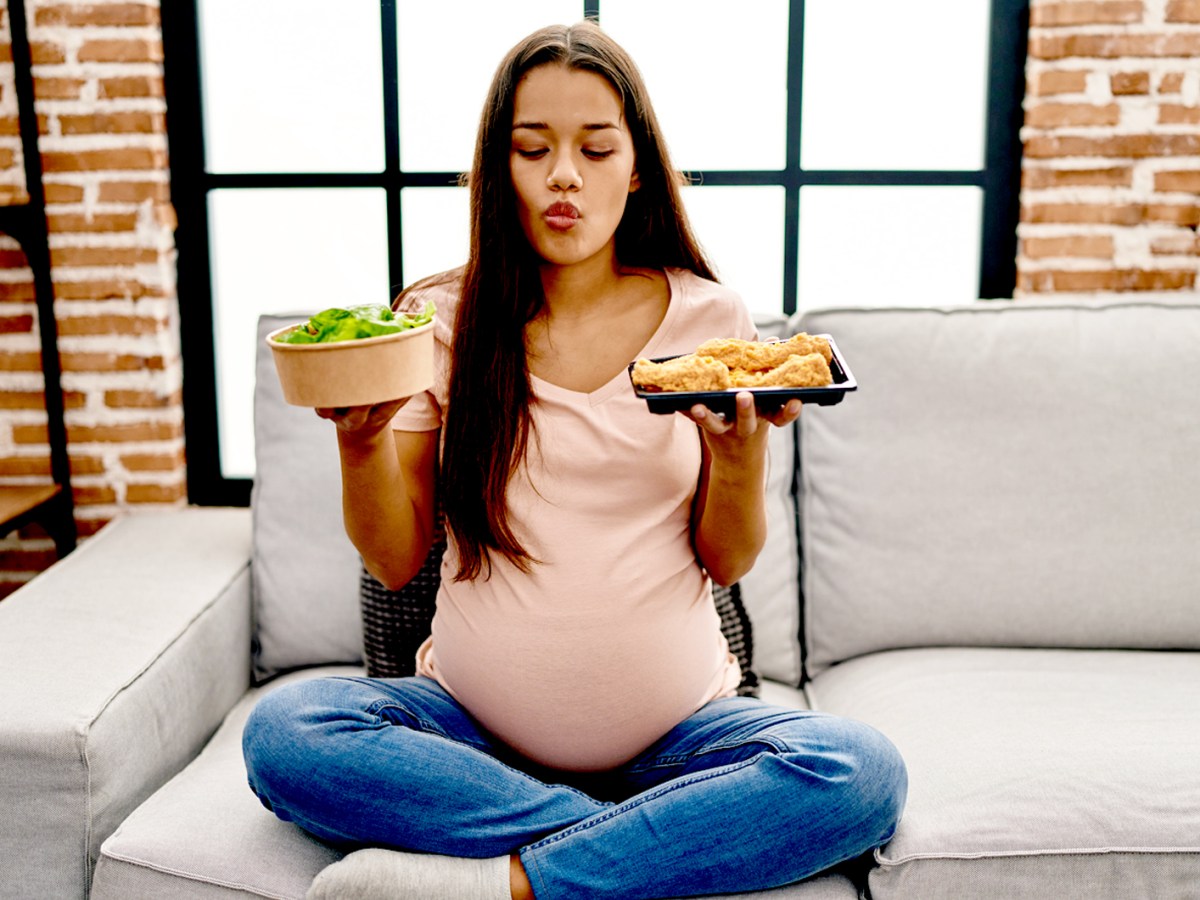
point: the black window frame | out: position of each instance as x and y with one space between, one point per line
191 183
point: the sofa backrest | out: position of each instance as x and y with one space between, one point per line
304 570
1007 474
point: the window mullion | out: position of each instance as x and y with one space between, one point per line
1002 165
189 195
392 175
792 175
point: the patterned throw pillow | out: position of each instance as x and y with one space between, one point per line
395 623
735 625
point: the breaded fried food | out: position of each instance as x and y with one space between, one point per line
809 370
756 356
683 373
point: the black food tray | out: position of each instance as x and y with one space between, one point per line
767 398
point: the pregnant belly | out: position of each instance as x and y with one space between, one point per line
578 693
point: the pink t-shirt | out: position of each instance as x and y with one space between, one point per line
613 638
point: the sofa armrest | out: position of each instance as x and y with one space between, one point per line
116 665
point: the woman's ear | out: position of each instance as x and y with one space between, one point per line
634 181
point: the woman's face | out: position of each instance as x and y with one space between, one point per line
572 163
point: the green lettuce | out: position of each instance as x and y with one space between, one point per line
354 322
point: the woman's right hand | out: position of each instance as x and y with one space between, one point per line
363 421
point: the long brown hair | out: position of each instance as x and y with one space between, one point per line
488 422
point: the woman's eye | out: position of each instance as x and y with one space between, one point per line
537 153
597 154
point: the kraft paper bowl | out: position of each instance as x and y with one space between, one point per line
358 372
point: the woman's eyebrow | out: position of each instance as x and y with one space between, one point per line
542 126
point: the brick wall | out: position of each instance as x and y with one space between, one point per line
1111 181
98 81
1110 202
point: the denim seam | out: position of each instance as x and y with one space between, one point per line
434 730
483 751
643 798
377 706
538 781
664 762
525 853
426 725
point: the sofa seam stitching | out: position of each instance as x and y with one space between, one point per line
191 876
1011 854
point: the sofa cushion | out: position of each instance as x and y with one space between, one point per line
305 570
205 836
1008 473
1034 773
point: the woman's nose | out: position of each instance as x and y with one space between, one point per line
564 175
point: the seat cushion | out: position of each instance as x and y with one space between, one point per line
782 694
1034 773
205 836
1007 474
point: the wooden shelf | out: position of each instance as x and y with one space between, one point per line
20 500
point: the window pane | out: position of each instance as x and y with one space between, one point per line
741 230
907 91
292 86
436 230
284 251
448 54
716 73
862 246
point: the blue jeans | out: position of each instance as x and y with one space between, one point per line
740 796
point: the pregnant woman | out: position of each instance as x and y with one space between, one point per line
573 729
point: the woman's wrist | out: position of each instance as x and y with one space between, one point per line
737 458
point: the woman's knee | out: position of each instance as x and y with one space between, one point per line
860 772
874 783
270 732
280 736
884 779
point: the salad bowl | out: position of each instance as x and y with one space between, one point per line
355 371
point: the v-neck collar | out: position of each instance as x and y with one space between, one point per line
620 381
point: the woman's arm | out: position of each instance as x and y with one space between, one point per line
729 524
388 501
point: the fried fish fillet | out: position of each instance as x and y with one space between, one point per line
809 370
758 356
683 373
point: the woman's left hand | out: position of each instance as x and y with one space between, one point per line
731 438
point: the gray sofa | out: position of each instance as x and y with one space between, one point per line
989 551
